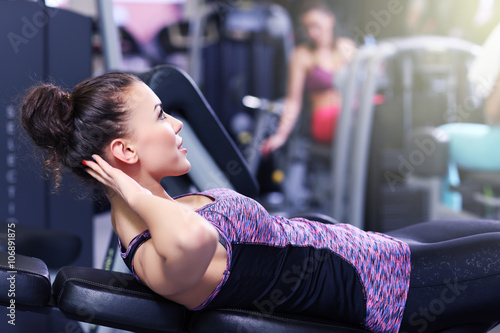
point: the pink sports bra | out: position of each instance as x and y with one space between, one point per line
318 79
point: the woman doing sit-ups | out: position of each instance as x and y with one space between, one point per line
221 249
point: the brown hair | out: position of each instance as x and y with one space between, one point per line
320 5
72 127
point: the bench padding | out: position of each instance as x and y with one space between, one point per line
114 299
31 281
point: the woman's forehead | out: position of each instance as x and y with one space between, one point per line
314 13
140 93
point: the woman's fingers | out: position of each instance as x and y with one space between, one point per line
99 169
100 165
99 161
97 176
111 177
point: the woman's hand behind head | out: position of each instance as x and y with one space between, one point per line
114 179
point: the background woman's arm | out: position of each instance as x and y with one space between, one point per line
293 101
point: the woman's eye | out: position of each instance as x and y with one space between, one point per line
162 115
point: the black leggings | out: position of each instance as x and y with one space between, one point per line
455 276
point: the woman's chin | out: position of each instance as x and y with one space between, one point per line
185 170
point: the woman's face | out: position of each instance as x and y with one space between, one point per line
319 26
155 134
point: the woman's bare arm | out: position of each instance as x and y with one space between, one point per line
293 101
183 242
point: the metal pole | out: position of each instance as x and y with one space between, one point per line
110 37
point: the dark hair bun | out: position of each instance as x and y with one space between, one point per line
72 127
46 116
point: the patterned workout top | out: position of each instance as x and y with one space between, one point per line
279 265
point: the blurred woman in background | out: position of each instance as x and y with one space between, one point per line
313 67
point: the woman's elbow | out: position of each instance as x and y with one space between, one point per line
200 238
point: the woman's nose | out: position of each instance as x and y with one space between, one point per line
177 125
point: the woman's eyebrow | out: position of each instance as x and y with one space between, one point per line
158 105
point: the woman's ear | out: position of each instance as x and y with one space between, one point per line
123 151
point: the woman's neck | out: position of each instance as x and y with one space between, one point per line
327 47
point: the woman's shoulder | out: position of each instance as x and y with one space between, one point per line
218 194
303 51
303 56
